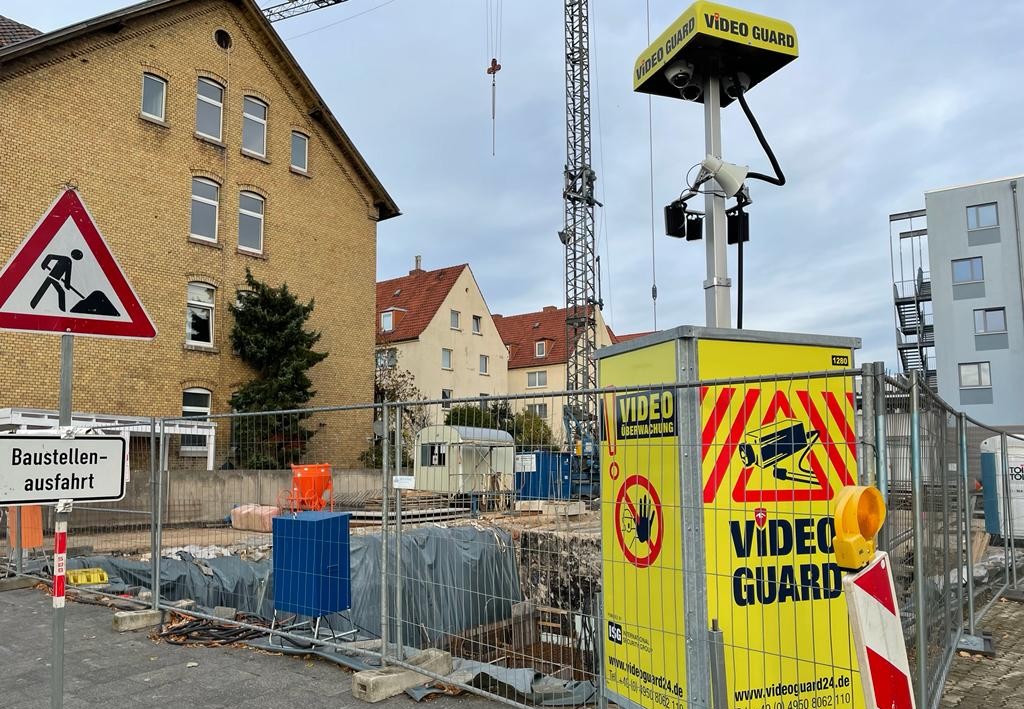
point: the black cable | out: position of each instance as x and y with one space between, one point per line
779 178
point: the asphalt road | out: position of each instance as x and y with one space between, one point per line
103 668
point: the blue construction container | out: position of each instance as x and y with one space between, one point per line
544 475
312 576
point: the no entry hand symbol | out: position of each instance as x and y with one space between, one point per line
639 522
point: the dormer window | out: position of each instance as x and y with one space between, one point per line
540 348
387 321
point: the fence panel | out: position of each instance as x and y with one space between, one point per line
102 531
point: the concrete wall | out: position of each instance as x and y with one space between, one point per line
73 114
954 306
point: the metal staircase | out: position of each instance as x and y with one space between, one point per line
912 297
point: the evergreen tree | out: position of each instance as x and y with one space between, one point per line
269 334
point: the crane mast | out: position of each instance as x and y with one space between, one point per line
578 233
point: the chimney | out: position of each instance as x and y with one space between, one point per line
419 263
549 309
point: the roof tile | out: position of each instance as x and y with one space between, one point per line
416 298
521 333
12 32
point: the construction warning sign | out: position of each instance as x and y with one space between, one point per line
641 531
774 454
63 279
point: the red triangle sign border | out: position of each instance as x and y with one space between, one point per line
69 205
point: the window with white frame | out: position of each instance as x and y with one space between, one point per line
456 320
154 96
387 358
968 270
205 209
982 216
485 362
539 410
477 324
387 321
254 126
433 454
446 399
209 109
250 222
540 348
988 320
446 358
975 375
537 379
199 314
300 151
195 403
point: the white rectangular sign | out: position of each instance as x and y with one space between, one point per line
403 482
41 469
526 463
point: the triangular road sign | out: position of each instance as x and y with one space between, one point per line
64 280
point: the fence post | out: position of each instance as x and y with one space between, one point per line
968 519
384 502
1005 455
917 497
156 516
399 633
881 442
19 564
867 471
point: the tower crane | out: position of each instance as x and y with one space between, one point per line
577 234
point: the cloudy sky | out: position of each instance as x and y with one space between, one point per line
885 101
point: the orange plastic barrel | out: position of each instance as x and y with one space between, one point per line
31 526
309 483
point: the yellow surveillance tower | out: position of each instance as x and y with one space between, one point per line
713 54
713 40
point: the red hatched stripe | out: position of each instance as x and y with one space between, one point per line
875 582
60 543
891 686
58 587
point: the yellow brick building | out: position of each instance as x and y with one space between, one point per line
201 149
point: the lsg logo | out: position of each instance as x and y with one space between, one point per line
615 632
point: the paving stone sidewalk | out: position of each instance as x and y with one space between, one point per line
127 670
976 682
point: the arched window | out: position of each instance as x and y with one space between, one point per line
205 209
254 126
195 403
250 222
209 108
199 314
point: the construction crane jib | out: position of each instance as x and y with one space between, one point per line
284 10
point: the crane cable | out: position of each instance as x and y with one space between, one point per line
494 12
650 160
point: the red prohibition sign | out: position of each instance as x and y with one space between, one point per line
654 542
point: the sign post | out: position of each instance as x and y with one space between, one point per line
63 279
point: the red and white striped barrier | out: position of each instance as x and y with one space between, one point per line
60 561
878 636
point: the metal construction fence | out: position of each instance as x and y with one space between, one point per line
681 555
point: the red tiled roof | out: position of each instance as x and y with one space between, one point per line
415 299
616 339
11 31
521 333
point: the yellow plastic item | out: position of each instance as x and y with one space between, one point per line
87 577
860 512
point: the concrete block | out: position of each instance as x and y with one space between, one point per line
378 685
137 620
17 582
224 612
552 507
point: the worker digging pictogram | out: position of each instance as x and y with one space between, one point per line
58 279
783 445
639 522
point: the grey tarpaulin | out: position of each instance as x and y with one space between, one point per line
453 579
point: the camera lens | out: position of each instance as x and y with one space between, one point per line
747 455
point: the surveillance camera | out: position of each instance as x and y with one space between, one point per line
691 92
679 73
736 85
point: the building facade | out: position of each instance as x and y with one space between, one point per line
436 326
201 150
971 277
537 356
